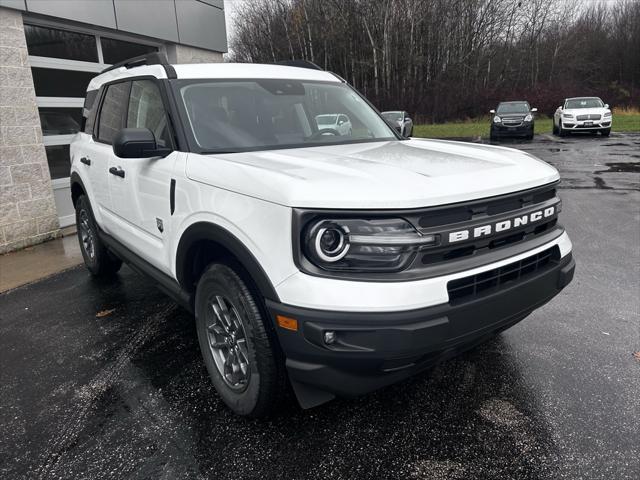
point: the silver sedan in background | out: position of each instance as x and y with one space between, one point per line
400 121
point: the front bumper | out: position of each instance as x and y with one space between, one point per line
586 125
376 349
515 131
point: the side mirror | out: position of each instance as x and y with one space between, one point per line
606 105
137 143
534 110
492 111
560 107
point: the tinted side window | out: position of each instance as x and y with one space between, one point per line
146 110
112 111
89 110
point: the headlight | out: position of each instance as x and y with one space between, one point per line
528 118
367 245
497 119
607 114
567 115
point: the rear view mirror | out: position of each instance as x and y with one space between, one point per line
137 143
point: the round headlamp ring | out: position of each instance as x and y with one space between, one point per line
337 246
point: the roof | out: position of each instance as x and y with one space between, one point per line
218 71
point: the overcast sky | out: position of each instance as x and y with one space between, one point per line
229 13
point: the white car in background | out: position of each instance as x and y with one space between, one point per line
334 122
580 114
400 121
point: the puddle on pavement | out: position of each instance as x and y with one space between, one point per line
616 144
621 167
601 184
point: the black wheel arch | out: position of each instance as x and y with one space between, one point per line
77 187
215 242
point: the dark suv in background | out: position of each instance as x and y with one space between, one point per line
512 119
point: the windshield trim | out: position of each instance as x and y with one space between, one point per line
176 84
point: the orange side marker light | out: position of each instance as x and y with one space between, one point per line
287 323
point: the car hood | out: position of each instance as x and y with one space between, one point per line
391 174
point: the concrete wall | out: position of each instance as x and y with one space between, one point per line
27 209
186 54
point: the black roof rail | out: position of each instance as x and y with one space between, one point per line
155 58
299 64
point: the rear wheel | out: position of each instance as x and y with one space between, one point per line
99 261
239 352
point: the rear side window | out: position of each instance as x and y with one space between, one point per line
146 110
89 111
112 113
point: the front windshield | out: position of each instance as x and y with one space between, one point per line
242 115
326 119
392 116
584 103
513 107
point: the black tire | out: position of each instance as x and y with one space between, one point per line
493 137
99 261
561 131
530 136
605 132
260 390
554 129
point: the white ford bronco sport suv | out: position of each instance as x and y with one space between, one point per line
334 262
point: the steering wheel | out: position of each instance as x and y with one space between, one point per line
324 131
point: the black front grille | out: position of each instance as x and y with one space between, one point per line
512 121
468 288
441 216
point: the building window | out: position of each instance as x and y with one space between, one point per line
115 51
63 62
51 42
60 83
60 121
58 159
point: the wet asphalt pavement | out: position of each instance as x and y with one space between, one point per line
125 395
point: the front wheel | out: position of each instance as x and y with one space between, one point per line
240 354
605 132
99 261
561 131
554 129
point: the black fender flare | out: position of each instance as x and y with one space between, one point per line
76 180
209 231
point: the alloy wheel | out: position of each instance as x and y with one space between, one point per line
227 342
86 235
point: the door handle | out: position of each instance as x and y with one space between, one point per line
118 172
85 160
